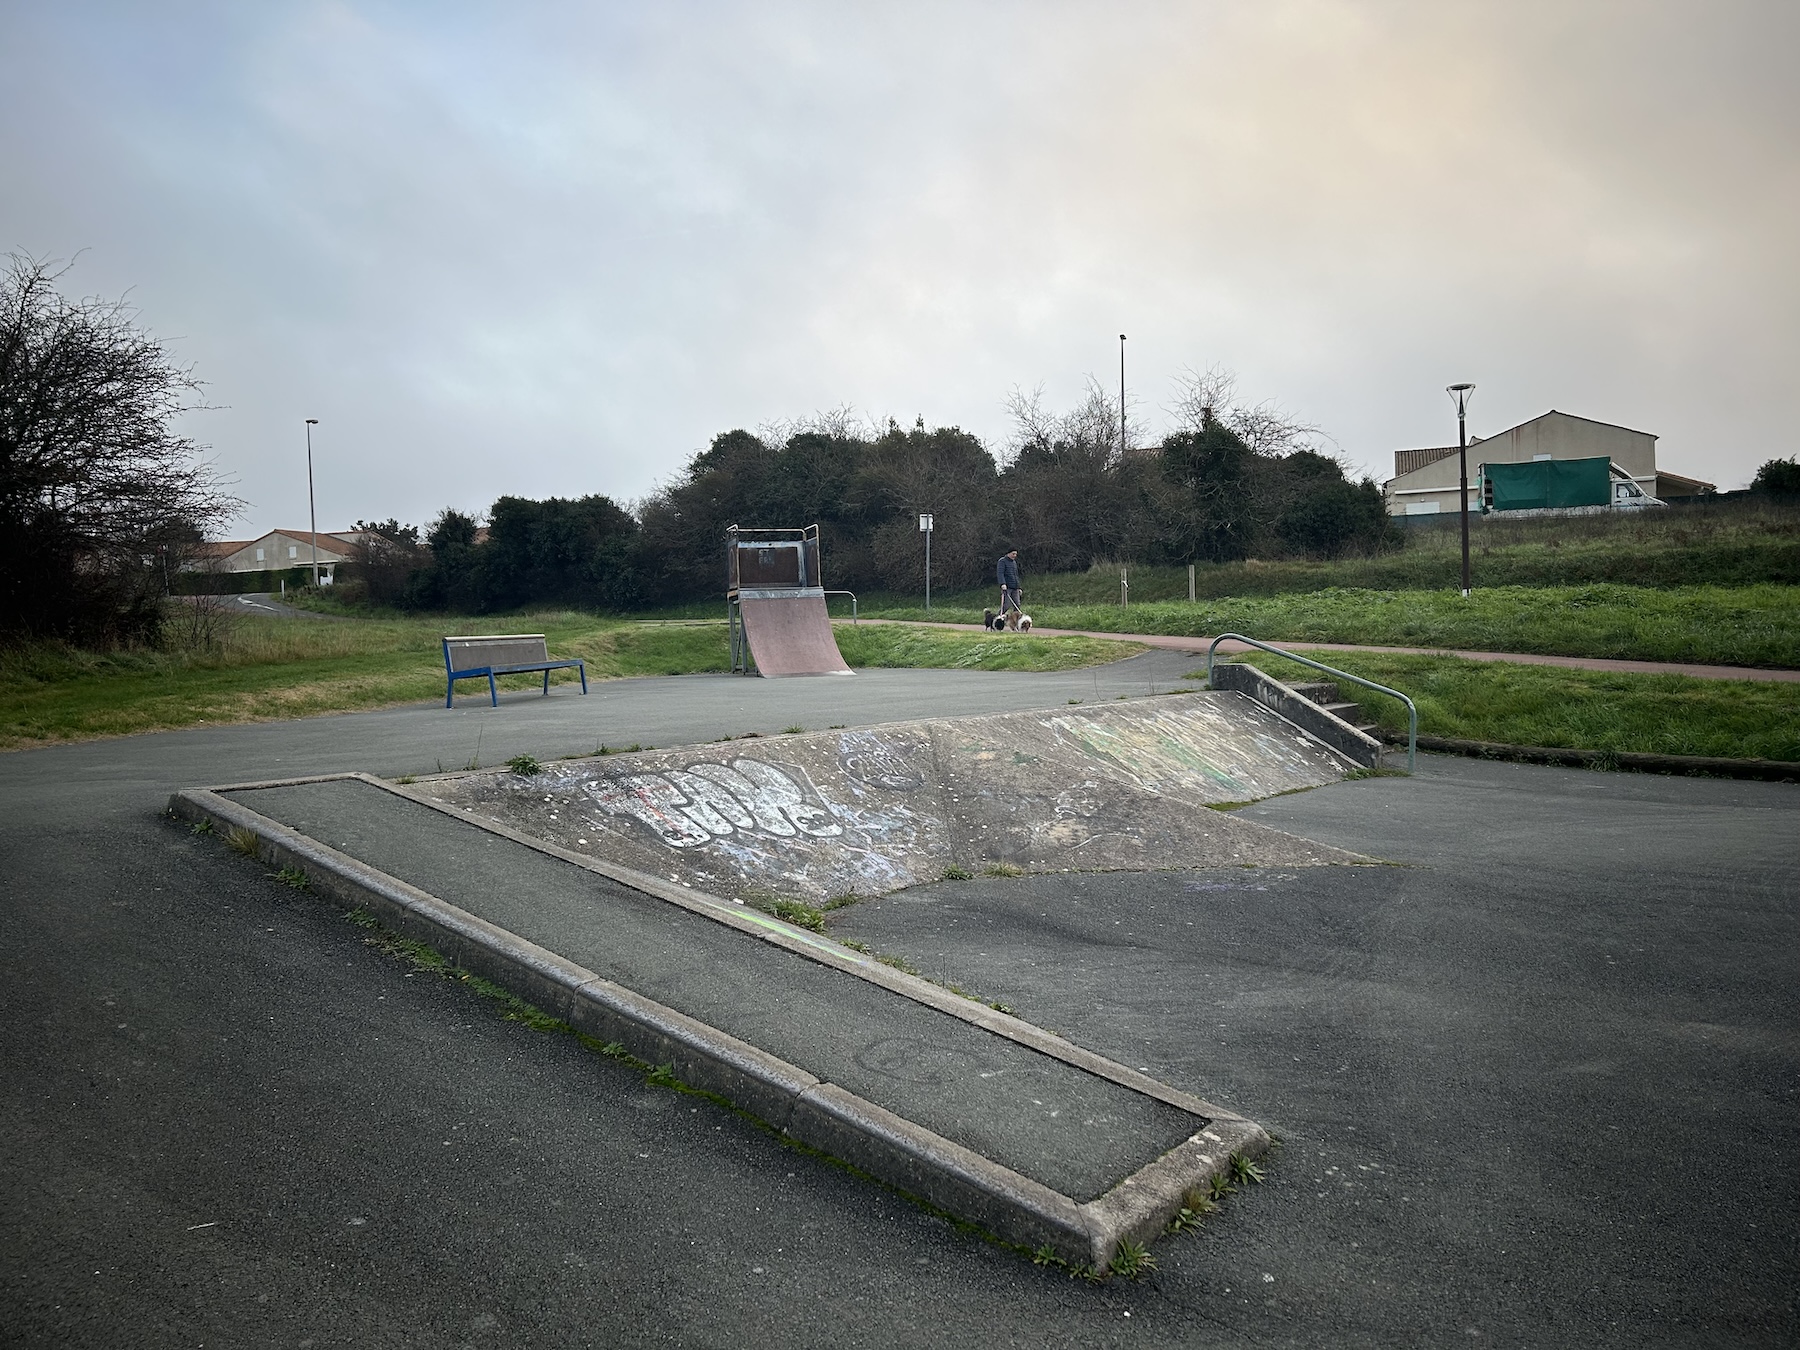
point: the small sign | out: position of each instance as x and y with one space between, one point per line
924 524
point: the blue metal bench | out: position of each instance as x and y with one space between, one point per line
474 658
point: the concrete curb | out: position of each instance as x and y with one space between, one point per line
1333 732
1769 770
791 1100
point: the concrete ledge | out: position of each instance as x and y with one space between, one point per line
1339 735
822 1115
1769 770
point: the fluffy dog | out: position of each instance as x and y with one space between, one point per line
992 621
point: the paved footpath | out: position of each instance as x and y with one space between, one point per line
1538 1084
1199 644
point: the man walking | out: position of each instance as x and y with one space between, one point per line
1008 574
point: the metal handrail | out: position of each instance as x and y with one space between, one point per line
1412 711
852 595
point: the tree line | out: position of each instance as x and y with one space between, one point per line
1067 491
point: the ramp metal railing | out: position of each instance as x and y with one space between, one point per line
1412 711
852 595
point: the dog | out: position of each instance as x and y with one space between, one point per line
1012 621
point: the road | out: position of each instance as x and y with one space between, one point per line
1537 1084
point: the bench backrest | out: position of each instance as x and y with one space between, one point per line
503 649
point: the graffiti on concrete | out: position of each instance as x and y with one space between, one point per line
866 758
705 802
1198 747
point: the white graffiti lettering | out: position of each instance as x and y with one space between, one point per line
703 802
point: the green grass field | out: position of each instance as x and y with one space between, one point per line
1712 625
1571 709
270 668
1740 542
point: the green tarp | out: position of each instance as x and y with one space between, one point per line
1547 482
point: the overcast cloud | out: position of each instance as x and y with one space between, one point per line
553 249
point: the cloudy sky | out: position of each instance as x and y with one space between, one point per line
553 248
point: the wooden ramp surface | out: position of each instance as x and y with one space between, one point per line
791 635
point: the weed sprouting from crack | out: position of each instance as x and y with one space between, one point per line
1002 870
525 766
242 840
1245 1172
1196 1207
1131 1259
204 826
955 873
293 876
795 730
796 912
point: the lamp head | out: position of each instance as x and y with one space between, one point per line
312 421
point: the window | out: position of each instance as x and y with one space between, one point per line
259 555
293 550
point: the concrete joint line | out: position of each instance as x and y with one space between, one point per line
819 1114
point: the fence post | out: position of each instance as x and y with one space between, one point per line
1190 583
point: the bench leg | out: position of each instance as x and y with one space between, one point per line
493 691
546 684
583 670
449 693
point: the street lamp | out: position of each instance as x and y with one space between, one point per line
925 529
1461 392
1121 393
312 508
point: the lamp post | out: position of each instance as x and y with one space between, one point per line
1121 393
925 529
1461 392
312 509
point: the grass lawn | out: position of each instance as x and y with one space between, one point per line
1714 625
1571 709
272 668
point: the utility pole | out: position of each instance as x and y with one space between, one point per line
1121 393
312 508
1461 392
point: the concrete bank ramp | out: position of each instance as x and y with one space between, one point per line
1112 786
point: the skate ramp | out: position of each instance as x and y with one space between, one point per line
790 634
1118 786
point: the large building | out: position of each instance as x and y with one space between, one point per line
1425 481
279 550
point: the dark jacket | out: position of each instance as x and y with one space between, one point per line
1008 572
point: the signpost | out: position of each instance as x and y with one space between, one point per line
925 529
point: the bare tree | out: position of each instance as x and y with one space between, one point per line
1266 427
97 490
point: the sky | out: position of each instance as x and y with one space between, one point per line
553 249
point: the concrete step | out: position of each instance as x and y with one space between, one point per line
975 1111
1319 691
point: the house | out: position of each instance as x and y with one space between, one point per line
277 551
1425 481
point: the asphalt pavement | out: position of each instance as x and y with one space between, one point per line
1536 1085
